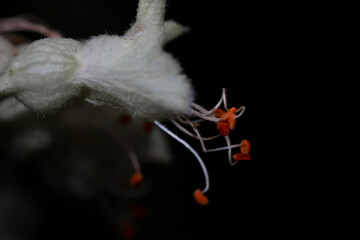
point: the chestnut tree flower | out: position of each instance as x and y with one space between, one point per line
130 72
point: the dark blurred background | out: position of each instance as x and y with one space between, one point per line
231 46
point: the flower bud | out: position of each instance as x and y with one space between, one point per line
41 75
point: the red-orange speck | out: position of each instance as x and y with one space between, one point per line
136 179
148 126
125 118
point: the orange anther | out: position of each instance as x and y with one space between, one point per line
148 126
225 116
218 112
245 147
240 156
124 118
232 121
223 128
230 117
136 179
200 198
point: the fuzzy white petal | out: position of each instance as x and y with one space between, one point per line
138 74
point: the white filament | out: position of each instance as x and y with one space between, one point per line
193 135
134 160
207 183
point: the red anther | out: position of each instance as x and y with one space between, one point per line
245 147
124 118
218 112
240 156
136 179
200 198
223 128
148 126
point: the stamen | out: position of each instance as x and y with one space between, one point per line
225 121
184 121
224 96
232 110
136 178
223 148
241 110
179 118
200 115
200 108
207 183
192 135
219 112
228 142
198 134
223 128
200 198
208 112
245 147
232 121
203 144
240 156
227 114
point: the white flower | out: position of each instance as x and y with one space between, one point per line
131 71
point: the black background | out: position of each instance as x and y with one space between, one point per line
242 48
